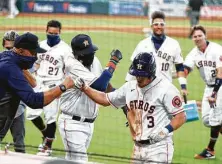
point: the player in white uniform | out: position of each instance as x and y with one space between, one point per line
155 109
207 57
76 122
166 50
50 73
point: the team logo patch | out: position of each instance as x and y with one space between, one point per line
177 103
220 58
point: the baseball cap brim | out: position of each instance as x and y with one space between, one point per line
89 50
40 50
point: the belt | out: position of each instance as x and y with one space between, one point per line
89 120
144 142
211 86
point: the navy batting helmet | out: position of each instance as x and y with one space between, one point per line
83 49
143 65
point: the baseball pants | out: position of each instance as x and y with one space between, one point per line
212 116
161 152
50 111
76 137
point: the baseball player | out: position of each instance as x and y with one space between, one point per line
76 122
166 50
50 72
155 109
18 126
207 57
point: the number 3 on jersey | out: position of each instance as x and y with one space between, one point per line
53 71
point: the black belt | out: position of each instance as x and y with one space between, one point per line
143 142
211 86
89 120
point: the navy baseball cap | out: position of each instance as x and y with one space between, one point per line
28 41
82 44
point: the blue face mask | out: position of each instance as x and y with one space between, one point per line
52 40
27 61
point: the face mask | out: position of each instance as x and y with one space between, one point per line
86 60
52 40
27 61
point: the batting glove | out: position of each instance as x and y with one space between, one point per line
160 135
79 83
116 56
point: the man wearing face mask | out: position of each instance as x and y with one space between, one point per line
13 84
18 126
78 111
50 72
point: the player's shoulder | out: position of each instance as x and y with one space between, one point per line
131 84
171 40
64 44
145 41
96 59
166 86
43 43
193 52
215 45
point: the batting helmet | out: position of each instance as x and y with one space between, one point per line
9 36
83 49
143 65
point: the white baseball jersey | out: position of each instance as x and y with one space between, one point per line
74 101
168 54
52 62
150 107
206 62
50 74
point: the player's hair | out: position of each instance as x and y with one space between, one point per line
197 27
54 23
158 14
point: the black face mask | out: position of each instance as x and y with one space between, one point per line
8 48
27 61
86 60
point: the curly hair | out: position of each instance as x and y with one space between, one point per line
158 14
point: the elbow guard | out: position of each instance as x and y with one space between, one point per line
102 82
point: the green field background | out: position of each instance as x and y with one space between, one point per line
111 137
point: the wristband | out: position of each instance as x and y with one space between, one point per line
169 128
182 80
183 86
218 83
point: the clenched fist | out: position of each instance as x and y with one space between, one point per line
116 55
79 83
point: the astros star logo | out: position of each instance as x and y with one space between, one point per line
139 66
86 43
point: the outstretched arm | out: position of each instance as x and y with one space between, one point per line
97 96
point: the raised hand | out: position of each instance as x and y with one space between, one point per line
116 55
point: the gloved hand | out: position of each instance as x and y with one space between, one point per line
116 56
79 83
160 135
